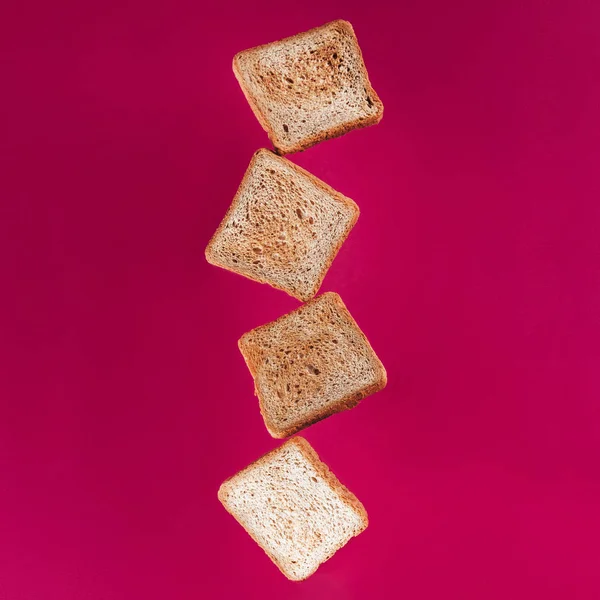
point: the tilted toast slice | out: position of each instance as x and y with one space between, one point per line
294 508
309 87
310 364
284 227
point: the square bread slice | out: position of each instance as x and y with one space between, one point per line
310 364
309 87
284 227
294 508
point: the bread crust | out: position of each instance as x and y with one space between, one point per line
253 360
335 131
344 494
335 248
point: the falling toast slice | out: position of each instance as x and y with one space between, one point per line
309 87
310 364
284 227
294 508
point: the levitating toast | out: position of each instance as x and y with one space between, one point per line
310 364
284 227
294 508
309 87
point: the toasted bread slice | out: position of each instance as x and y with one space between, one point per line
309 87
284 227
294 508
310 364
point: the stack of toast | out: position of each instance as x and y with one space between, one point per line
284 228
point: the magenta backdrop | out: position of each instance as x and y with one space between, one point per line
474 270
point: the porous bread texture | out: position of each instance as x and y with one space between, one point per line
284 227
310 364
294 508
309 87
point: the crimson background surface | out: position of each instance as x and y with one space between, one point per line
474 270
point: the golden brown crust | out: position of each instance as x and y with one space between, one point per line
213 260
252 358
332 132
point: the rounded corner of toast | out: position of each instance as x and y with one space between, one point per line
343 23
208 253
244 341
276 433
262 152
334 297
298 440
235 61
383 378
281 149
223 493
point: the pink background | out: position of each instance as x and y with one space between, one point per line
474 270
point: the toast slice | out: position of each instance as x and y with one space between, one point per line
310 364
309 87
284 227
294 508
